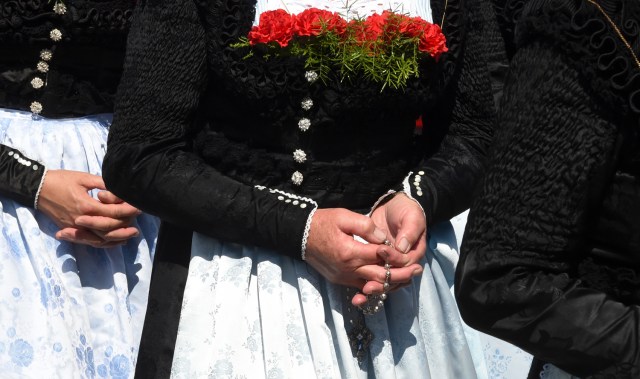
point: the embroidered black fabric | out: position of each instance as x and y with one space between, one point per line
551 258
243 127
197 126
87 62
83 74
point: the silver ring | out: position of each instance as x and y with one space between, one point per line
387 242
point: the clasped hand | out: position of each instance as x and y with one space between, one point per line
105 222
341 259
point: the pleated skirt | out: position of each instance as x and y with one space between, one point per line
249 312
66 310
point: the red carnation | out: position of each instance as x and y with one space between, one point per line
413 26
274 26
375 26
312 21
433 41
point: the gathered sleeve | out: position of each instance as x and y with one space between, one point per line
527 228
444 182
150 162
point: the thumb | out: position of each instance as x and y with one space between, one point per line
412 227
361 226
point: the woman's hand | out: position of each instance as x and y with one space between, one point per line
65 199
403 221
334 252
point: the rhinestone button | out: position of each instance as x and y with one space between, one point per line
299 156
297 178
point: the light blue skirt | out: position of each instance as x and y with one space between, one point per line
250 312
67 311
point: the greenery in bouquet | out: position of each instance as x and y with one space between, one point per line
383 48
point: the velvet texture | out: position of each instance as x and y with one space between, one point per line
20 177
87 62
194 136
550 258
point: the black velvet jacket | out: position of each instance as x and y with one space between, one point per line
551 255
203 138
81 76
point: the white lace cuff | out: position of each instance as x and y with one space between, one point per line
35 201
300 201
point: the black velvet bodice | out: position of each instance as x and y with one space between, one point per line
87 63
229 125
358 134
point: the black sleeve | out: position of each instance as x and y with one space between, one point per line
516 277
445 181
20 177
149 161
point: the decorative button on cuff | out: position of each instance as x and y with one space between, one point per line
416 182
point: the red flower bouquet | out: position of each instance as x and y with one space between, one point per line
384 48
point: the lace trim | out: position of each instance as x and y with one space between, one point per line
380 200
295 201
406 187
406 190
305 235
35 201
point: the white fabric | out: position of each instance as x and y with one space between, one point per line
349 9
502 360
250 312
67 311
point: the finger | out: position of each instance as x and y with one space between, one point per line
90 181
123 211
85 237
80 236
377 273
121 234
363 227
104 224
412 228
359 299
109 197
360 254
394 257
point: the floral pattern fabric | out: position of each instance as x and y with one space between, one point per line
67 311
250 312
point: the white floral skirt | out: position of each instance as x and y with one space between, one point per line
67 311
252 313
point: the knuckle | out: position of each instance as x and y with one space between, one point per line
85 207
